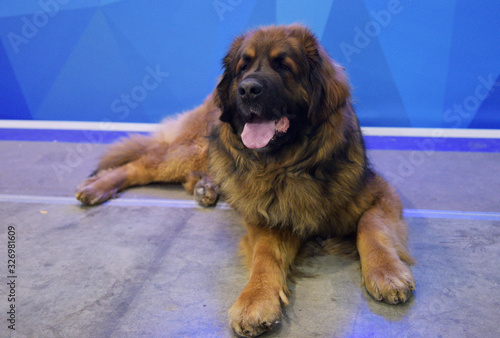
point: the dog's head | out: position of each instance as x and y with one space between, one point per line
276 81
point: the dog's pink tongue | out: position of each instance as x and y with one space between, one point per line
258 133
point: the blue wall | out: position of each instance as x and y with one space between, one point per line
420 63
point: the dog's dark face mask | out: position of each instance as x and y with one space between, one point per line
276 83
258 94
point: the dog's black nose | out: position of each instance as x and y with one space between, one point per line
249 89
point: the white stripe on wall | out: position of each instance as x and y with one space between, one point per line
71 125
432 132
147 127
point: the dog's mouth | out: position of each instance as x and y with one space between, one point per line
259 132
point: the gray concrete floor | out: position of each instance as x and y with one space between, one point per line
155 268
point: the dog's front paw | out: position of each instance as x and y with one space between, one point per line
206 192
95 190
391 284
255 312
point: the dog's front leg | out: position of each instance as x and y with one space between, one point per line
381 242
270 254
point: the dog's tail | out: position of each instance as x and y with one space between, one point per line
125 151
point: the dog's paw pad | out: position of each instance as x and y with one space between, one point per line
254 313
393 286
93 192
206 193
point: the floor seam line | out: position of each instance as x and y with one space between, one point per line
191 204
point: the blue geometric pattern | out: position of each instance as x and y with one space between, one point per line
411 63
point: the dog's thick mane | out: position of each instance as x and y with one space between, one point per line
323 177
312 185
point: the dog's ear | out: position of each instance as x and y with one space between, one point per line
222 92
330 89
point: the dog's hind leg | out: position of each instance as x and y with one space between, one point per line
176 153
170 163
127 163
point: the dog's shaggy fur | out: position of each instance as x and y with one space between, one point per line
306 178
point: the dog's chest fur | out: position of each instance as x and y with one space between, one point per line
285 197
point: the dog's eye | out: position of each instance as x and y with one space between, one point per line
242 66
243 63
283 66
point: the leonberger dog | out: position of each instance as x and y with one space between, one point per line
279 141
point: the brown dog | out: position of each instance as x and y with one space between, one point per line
286 151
